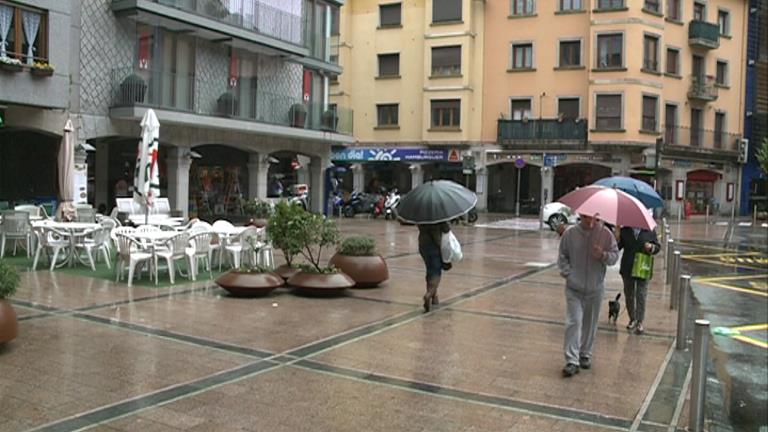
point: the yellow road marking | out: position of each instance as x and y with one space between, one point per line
733 288
735 254
746 266
741 277
751 327
751 341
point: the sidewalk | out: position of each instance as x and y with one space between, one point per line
91 352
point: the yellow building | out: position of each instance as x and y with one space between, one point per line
545 95
413 69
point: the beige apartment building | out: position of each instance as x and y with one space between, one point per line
545 96
413 69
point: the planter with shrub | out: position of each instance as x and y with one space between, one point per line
9 282
257 211
132 90
41 69
250 281
9 64
280 226
357 257
298 115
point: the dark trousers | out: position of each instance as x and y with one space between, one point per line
635 291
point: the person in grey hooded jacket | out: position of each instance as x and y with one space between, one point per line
586 249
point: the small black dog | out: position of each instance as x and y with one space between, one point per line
614 307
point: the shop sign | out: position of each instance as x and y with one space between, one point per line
551 160
597 158
392 154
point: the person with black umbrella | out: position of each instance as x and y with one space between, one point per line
431 206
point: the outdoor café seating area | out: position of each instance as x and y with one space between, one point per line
130 244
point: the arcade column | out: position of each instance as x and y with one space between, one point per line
178 163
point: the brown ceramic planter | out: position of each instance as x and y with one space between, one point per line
41 72
318 283
243 284
11 67
286 272
366 271
9 326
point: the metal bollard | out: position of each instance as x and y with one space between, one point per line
707 214
668 259
699 375
677 267
682 310
754 216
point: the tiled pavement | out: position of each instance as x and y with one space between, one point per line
96 355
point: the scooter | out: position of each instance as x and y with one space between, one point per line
378 208
390 205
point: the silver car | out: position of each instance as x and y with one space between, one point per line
555 214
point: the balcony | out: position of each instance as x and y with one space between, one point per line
687 142
186 95
702 34
545 134
702 88
244 21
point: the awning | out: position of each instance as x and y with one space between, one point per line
703 176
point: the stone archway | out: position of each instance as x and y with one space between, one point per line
28 166
218 181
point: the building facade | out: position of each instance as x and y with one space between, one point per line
240 89
413 78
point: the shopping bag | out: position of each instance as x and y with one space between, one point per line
642 268
450 248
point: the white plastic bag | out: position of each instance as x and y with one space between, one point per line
450 248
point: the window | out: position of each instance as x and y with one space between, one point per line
568 108
673 61
649 113
522 56
389 65
570 53
446 10
521 109
25 34
699 12
696 129
670 124
719 129
724 22
651 5
523 7
722 73
389 15
651 53
570 5
608 112
610 51
446 61
335 19
610 4
446 113
673 10
387 114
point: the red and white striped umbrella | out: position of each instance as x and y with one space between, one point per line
611 205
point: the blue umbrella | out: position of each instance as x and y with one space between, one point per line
637 188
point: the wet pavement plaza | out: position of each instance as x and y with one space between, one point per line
96 355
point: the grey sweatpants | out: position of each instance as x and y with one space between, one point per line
582 314
635 291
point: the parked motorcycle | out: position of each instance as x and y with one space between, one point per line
359 203
378 207
390 205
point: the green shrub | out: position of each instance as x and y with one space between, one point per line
314 232
257 208
9 280
281 229
358 246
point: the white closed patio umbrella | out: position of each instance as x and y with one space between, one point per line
146 176
66 164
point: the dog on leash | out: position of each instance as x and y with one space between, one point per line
614 307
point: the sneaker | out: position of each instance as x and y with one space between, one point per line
632 324
585 362
570 370
639 329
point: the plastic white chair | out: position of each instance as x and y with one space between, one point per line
242 247
33 210
50 239
172 250
147 228
265 255
16 227
85 214
95 240
200 248
130 252
125 230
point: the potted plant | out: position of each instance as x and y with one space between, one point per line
10 64
227 105
250 281
132 89
298 115
41 69
280 227
357 257
258 212
9 281
314 232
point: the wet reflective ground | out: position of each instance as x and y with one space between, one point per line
96 355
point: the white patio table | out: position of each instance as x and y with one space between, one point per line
74 229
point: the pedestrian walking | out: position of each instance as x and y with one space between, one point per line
430 238
636 241
586 249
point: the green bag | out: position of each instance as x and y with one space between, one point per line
642 268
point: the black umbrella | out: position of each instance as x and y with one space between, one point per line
436 201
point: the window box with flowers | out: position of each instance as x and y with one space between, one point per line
41 69
9 64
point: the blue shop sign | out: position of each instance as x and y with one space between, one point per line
388 154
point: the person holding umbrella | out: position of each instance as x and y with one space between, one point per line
635 241
431 206
586 249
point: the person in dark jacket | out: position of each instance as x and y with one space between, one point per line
633 240
430 237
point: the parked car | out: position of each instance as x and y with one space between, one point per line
556 213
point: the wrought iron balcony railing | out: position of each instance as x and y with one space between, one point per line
701 138
542 132
702 88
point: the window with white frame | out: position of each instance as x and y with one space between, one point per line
568 108
610 4
446 61
652 5
23 33
610 50
446 10
670 124
719 129
673 61
389 65
570 53
608 112
446 114
724 22
699 11
390 15
522 55
387 114
522 7
674 10
520 108
650 104
570 5
721 77
651 53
